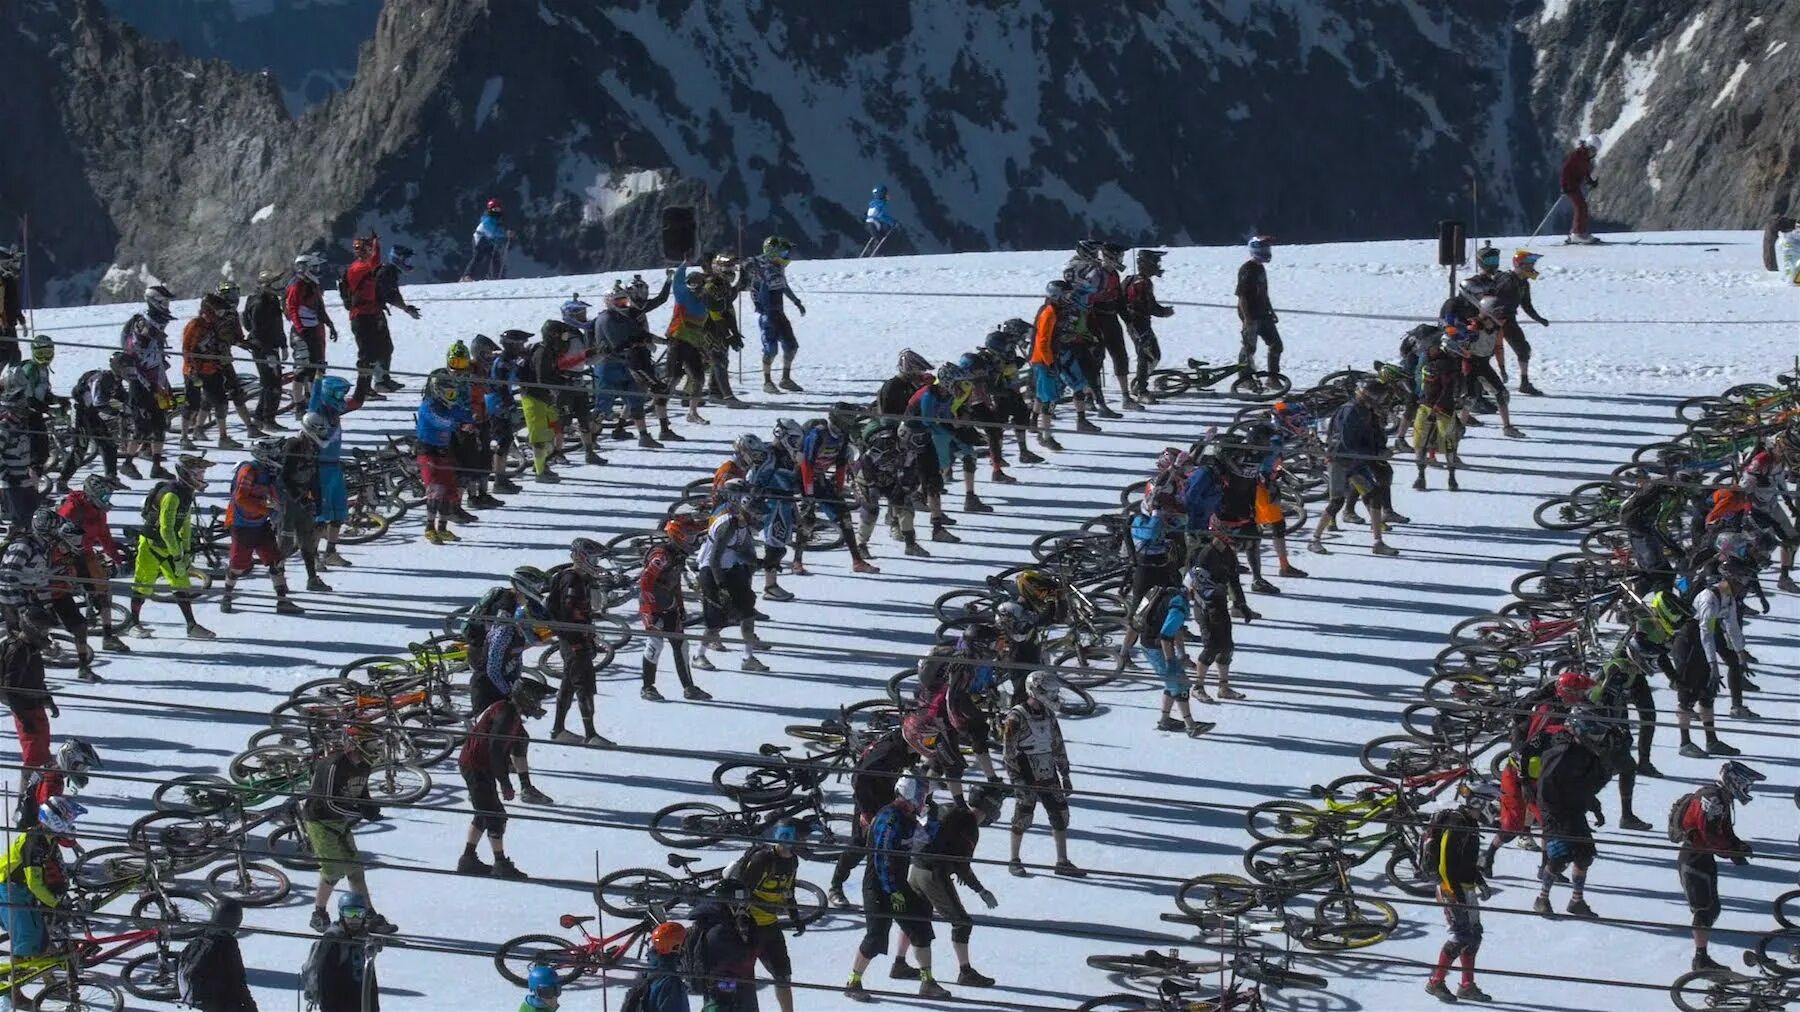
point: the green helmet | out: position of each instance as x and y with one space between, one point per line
458 357
776 246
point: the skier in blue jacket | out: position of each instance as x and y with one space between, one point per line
878 221
488 260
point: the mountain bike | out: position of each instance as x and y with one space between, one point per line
1725 991
1341 918
633 892
692 825
106 874
150 976
572 959
1249 385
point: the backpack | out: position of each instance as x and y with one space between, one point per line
1151 608
309 974
695 965
196 971
150 512
637 994
1678 815
1431 851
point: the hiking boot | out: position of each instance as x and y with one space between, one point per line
332 558
972 504
649 693
1027 457
645 442
1703 963
504 868
1083 425
319 586
902 970
1634 823
754 665
788 384
1169 724
1717 747
1441 991
286 606
1002 478
321 921
942 534
1578 907
968 976
1262 586
1017 868
667 435
916 550
1382 548
1291 572
835 896
778 593
1693 751
856 992
1067 868
695 693
196 631
932 989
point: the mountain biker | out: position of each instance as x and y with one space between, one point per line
1356 458
726 955
300 494
1538 717
1138 314
767 874
336 801
1514 288
503 374
568 604
1256 316
824 461
872 786
264 325
1454 836
662 606
664 988
1435 426
1212 585
28 696
1054 369
886 470
1703 822
145 343
944 861
1718 614
930 407
766 277
99 552
1647 514
775 485
165 549
1574 771
308 324
538 382
36 880
252 517
1160 617
339 971
334 498
99 403
894 836
1038 766
210 974
619 334
204 351
494 750
725 559
437 426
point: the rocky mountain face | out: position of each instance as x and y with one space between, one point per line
1693 103
1010 123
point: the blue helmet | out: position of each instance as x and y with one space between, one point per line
401 257
540 984
353 905
786 831
333 390
1259 249
575 312
879 193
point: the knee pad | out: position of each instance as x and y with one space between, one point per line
959 933
1023 813
1453 949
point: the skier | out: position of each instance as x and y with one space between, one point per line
879 223
1140 309
255 499
1701 821
1038 767
767 277
308 323
145 342
1256 316
387 289
1576 179
487 261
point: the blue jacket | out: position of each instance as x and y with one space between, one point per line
665 991
489 228
1354 431
690 302
1174 617
504 372
435 425
1202 496
890 843
504 662
878 213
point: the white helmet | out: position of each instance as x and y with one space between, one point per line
308 265
58 815
1045 688
1591 142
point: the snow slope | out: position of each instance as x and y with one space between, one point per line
1330 665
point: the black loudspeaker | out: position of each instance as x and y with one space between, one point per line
680 234
1451 244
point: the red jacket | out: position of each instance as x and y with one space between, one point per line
359 281
95 535
1576 169
304 299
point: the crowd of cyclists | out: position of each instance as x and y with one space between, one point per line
538 399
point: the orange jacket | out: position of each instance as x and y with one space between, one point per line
1043 346
202 345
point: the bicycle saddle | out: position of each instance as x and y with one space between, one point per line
570 920
772 750
682 861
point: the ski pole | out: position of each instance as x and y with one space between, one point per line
1549 214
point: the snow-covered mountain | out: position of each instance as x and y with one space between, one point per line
1010 124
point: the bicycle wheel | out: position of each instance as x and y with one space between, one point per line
957 605
152 976
366 523
1288 864
291 849
1123 1002
1344 920
194 794
255 884
1264 972
517 956
629 892
180 911
826 837
1787 909
691 825
269 765
103 868
398 783
1400 756
1151 963
1403 871
1716 991
380 673
1282 820
1086 667
430 740
1217 896
1490 632
86 995
1784 961
809 901
1170 382
1261 386
182 841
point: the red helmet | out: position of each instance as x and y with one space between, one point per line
495 208
1573 686
668 937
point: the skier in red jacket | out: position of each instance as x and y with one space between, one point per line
1576 179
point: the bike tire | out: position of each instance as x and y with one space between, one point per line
691 825
1282 820
398 783
194 794
1270 975
88 995
629 892
152 976
1272 862
182 912
1777 965
1398 756
257 884
161 834
1123 1002
1403 871
516 956
1787 909
756 782
1262 386
267 764
1170 382
1344 920
967 603
1714 991
290 848
1217 895
1489 632
365 524
104 868
1151 963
